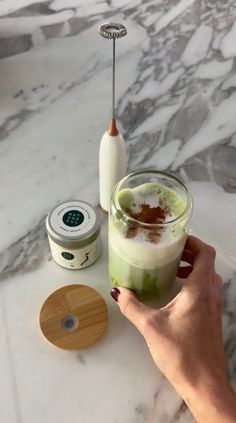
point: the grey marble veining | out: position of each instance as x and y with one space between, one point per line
176 98
26 253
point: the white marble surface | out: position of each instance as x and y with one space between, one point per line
176 89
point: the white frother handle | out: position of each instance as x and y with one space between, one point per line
112 166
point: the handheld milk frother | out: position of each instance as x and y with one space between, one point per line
112 155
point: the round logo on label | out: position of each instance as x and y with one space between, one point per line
67 256
73 218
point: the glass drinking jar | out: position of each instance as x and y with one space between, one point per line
148 223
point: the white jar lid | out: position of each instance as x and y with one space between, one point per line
72 221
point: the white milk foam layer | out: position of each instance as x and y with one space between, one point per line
145 254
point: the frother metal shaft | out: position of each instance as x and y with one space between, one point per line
113 78
113 31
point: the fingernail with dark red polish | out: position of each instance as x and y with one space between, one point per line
115 292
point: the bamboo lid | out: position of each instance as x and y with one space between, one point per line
74 317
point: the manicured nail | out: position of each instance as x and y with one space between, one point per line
115 292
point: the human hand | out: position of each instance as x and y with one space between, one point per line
185 337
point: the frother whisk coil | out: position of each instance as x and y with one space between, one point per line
113 30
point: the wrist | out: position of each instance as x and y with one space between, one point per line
213 400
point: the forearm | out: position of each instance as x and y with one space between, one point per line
211 402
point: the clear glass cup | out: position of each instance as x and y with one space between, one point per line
145 256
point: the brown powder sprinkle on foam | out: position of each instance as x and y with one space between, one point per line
150 215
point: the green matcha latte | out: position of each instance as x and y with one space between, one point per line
148 225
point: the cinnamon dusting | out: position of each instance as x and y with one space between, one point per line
151 215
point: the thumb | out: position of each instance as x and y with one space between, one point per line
132 308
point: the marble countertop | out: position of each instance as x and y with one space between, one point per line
176 93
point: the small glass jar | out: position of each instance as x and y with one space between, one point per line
74 234
145 256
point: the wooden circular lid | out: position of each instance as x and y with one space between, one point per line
74 317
